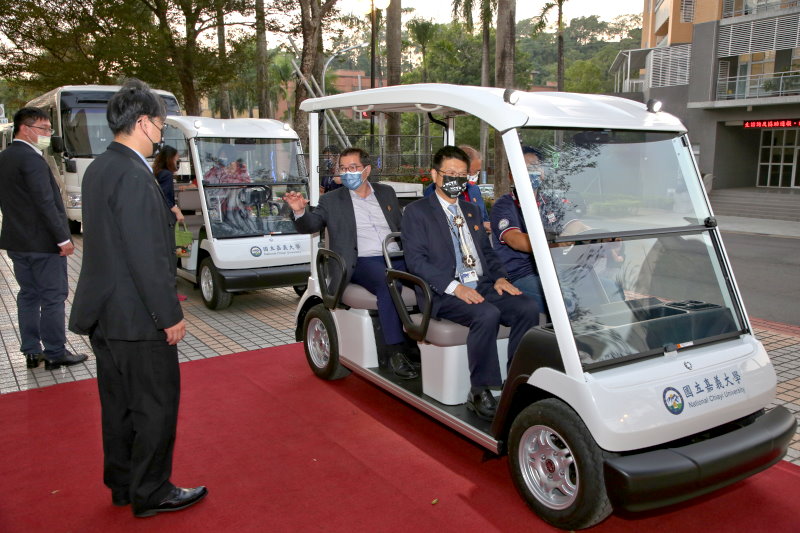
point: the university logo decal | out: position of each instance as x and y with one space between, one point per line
673 401
255 251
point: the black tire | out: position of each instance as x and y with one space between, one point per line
557 466
322 344
211 286
300 289
74 226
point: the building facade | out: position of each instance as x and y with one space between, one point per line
730 69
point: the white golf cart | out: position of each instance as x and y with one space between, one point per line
232 177
645 386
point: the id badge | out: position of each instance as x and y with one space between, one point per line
470 276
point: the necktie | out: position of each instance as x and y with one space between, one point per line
460 267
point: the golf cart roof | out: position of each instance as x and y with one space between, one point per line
536 109
260 128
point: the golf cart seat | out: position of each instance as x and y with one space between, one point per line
189 201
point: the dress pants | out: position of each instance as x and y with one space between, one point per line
483 320
370 273
43 288
139 384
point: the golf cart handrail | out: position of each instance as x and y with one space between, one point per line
331 287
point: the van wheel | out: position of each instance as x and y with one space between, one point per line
557 467
300 289
74 226
211 287
322 345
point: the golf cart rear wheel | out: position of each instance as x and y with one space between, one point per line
322 344
557 467
214 296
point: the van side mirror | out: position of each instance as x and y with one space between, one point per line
57 144
70 165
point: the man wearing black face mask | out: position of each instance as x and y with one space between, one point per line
445 244
126 301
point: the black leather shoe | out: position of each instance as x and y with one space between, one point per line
176 500
401 366
67 360
32 359
481 402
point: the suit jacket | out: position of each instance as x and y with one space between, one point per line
127 282
34 219
429 250
335 211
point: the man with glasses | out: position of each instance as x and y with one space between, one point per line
472 193
36 235
127 302
446 245
359 216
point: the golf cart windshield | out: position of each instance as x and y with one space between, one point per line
244 181
631 239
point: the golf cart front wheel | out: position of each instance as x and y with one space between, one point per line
214 296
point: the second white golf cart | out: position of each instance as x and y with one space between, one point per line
646 386
231 184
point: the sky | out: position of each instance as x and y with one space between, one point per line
441 10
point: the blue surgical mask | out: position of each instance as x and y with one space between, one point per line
351 180
536 179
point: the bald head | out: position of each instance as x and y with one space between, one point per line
475 162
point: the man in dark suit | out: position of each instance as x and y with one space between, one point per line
446 245
359 216
126 301
36 235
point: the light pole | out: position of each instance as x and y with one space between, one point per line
335 54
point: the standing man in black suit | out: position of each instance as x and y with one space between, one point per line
36 235
446 245
359 216
127 302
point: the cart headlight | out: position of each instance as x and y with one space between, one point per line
74 199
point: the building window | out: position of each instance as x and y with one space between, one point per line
777 158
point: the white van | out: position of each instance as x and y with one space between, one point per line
231 182
645 385
78 116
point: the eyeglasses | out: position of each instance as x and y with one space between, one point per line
42 128
160 128
453 173
351 168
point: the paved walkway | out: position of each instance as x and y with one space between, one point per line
262 319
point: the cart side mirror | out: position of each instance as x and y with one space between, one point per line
57 144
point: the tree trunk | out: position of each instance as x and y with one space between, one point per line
560 33
485 82
393 67
262 70
504 77
224 97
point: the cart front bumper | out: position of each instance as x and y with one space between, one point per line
250 279
666 476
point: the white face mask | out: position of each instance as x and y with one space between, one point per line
43 142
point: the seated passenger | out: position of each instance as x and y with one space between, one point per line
445 244
359 216
473 192
227 168
329 179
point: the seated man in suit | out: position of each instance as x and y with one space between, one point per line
472 193
446 245
359 216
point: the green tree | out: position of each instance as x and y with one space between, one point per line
422 33
542 24
584 77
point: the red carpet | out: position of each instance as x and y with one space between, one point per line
281 450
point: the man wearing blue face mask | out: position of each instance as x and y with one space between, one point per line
359 216
508 227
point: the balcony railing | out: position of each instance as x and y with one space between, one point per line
730 8
759 86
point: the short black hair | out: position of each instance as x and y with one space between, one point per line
331 149
135 99
362 154
535 151
27 116
449 152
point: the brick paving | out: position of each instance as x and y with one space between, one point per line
261 319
